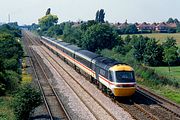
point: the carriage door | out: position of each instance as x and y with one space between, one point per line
97 72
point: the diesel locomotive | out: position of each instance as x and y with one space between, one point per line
113 77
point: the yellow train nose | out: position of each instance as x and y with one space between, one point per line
124 91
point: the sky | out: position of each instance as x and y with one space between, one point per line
28 11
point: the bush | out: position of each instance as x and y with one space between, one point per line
2 89
25 100
11 80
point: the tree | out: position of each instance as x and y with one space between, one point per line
54 31
10 54
169 47
120 47
131 29
47 21
170 20
11 29
34 26
72 34
87 24
25 100
139 46
97 16
176 21
169 42
170 55
99 36
48 11
100 16
178 27
151 53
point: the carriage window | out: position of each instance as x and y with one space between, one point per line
102 72
93 66
82 60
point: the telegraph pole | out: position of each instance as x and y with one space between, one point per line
9 18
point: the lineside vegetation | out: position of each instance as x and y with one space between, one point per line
16 99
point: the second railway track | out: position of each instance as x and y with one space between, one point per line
52 102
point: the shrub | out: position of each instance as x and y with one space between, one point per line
25 100
2 89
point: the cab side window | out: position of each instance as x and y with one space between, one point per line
110 76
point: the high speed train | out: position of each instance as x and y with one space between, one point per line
110 76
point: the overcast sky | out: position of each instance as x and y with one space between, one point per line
28 11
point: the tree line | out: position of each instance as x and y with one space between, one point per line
10 55
24 97
95 35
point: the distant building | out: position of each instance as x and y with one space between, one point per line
156 27
172 25
148 27
77 24
124 25
144 27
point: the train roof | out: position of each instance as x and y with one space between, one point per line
59 41
63 44
72 48
87 54
56 41
53 39
105 62
47 38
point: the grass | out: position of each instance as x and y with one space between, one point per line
6 112
174 72
167 91
26 78
162 36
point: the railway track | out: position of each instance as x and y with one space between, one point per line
141 110
52 102
160 101
55 66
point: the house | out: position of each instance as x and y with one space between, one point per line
147 27
154 26
162 27
172 25
124 25
144 27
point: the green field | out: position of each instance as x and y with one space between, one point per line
174 72
162 36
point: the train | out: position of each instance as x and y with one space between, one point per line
112 77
